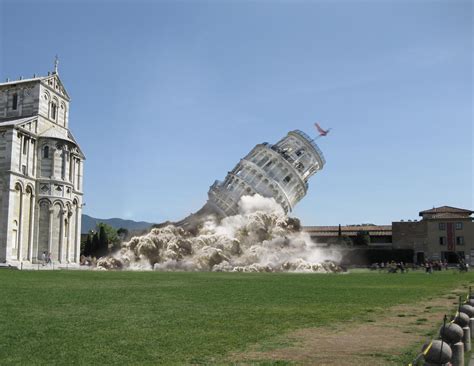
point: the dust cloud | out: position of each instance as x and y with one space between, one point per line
261 238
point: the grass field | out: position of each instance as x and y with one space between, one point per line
79 317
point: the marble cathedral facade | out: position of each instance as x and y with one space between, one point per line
41 173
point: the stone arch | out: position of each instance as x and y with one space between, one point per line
19 186
27 215
263 161
63 114
57 227
44 221
54 109
17 222
47 98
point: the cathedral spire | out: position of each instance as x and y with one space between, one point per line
56 63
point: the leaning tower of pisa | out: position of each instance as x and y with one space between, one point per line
280 171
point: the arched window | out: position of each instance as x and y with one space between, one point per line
15 101
46 152
64 111
54 110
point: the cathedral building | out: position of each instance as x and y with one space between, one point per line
41 173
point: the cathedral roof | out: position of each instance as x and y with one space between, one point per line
61 134
46 82
17 121
13 82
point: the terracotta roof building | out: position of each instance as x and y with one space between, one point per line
443 233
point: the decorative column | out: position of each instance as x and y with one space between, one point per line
20 152
50 237
61 235
68 236
20 227
30 227
53 163
35 152
77 238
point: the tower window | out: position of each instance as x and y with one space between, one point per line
25 145
54 108
15 101
287 179
46 152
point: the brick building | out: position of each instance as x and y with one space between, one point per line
443 233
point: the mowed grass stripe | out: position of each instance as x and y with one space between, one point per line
80 317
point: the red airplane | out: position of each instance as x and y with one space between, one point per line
320 130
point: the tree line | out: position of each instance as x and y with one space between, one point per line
103 240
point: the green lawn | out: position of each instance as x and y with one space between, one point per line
80 317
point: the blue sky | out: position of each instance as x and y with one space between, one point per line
168 96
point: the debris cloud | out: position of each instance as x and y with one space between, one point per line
261 238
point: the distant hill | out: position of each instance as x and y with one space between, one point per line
90 223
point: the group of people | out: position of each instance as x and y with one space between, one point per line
428 266
46 258
431 266
390 267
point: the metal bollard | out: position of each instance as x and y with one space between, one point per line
471 326
466 339
437 353
458 354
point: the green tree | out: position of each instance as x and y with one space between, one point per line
95 247
103 248
87 246
122 233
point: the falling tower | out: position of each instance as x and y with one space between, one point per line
280 171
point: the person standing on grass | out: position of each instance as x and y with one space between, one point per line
43 257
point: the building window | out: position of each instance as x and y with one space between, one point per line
15 101
23 169
46 152
442 226
442 240
460 240
54 108
25 145
458 225
287 179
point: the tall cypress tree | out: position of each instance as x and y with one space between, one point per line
95 245
88 246
103 241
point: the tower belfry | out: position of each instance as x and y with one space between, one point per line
41 173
